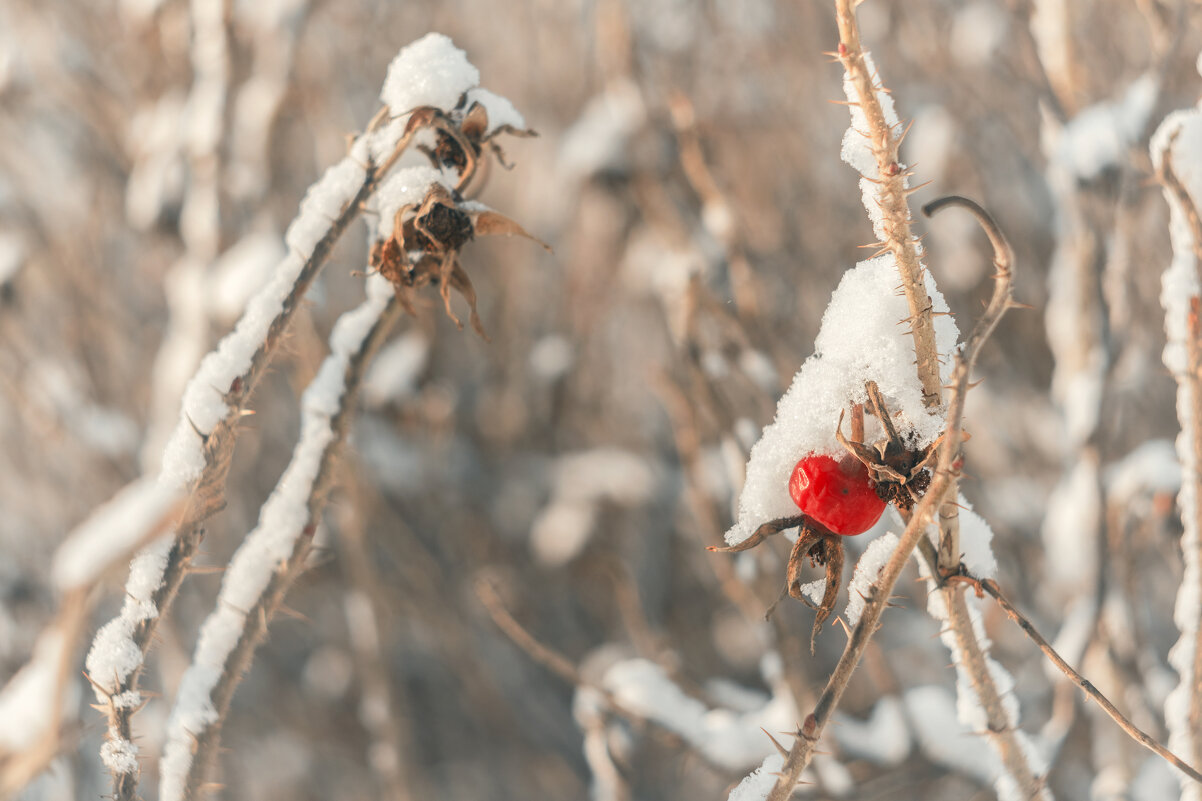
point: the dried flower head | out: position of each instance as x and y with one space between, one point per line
425 243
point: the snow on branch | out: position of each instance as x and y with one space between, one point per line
871 146
942 490
859 341
272 555
724 737
1177 154
985 700
197 456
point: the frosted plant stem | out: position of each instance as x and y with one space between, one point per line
1087 687
1186 656
974 659
946 469
891 177
204 698
207 489
891 194
972 652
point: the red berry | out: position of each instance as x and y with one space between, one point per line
838 495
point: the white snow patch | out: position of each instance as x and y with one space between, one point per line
598 140
500 110
868 570
241 270
1098 137
978 30
112 531
862 338
407 187
883 739
394 372
728 738
944 738
976 538
1153 467
28 701
552 357
611 474
429 72
119 756
561 531
760 781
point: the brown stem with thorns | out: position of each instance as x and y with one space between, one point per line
946 561
891 180
974 656
1143 738
1003 260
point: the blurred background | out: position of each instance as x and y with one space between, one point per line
570 472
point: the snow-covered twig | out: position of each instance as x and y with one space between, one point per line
987 681
200 134
31 703
946 469
264 567
886 188
1177 154
198 454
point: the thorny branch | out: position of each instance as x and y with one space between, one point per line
1193 383
990 586
259 617
946 470
891 178
207 493
973 651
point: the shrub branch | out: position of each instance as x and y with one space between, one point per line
946 470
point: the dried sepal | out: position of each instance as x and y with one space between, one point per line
899 470
491 223
461 135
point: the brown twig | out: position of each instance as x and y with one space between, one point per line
973 653
990 586
974 660
1003 261
563 667
891 195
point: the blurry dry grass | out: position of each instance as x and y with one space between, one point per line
448 479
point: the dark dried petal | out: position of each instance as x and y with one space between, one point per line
446 225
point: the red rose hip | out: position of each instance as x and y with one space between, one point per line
836 494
